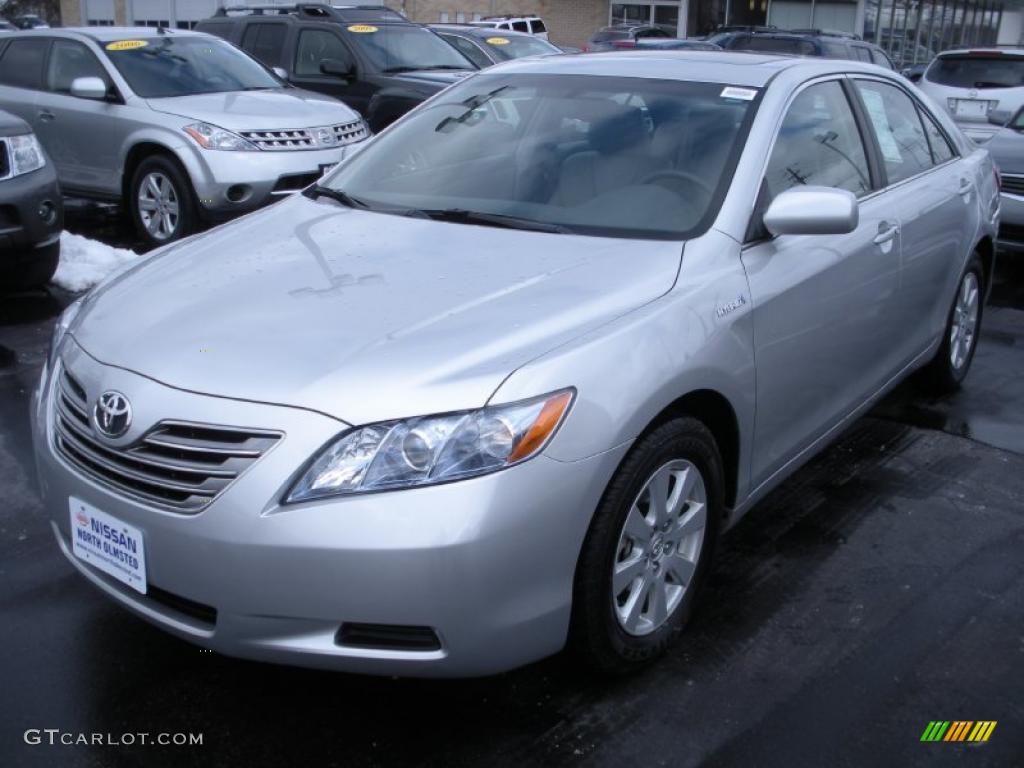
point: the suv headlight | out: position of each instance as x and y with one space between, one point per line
211 137
25 153
432 449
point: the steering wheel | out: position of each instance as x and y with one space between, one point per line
691 179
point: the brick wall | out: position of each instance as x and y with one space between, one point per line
569 22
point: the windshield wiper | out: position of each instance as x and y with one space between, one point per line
421 68
461 216
339 196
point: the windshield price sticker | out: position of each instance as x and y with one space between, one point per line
362 29
126 45
497 40
731 92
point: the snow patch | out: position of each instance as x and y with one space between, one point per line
85 262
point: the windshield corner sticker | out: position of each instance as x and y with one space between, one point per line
732 92
126 45
362 29
497 40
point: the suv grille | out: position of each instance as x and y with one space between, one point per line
176 464
1013 185
305 138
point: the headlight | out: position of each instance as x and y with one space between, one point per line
432 449
60 328
26 155
211 137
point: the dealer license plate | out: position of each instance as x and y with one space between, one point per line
971 108
106 543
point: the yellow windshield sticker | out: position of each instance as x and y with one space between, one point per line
362 29
126 45
497 40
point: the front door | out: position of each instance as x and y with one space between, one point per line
823 305
314 45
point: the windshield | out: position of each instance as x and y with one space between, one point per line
158 67
405 48
977 71
505 48
618 157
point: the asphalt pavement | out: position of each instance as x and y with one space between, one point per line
879 589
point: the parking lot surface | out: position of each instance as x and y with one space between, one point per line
880 588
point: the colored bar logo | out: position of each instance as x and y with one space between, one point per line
958 730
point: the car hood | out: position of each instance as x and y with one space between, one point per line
278 109
363 316
1007 150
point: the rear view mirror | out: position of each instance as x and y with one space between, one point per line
999 117
89 88
336 67
812 211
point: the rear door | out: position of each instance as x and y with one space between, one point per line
265 40
21 78
933 194
824 306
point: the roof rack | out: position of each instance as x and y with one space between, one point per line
827 33
505 16
314 11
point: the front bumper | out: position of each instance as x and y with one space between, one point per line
232 183
487 564
22 227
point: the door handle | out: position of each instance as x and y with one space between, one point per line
966 185
46 115
886 233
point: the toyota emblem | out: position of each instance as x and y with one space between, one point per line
113 414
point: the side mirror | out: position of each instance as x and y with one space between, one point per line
336 67
89 88
1000 117
812 211
280 72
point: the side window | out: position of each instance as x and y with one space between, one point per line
941 150
468 49
315 45
68 60
520 26
862 53
819 144
834 50
897 125
22 63
265 42
538 26
880 58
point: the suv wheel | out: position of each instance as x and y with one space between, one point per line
648 547
161 201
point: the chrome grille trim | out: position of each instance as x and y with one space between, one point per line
350 133
178 465
1013 184
306 138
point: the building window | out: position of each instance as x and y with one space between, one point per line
101 22
152 23
444 17
460 18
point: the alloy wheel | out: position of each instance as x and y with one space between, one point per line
158 205
659 547
965 321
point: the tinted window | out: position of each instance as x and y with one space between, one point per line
834 50
505 48
538 26
315 45
181 66
819 144
69 60
22 63
404 48
777 45
468 49
265 42
609 156
879 58
604 35
977 71
520 26
941 149
897 125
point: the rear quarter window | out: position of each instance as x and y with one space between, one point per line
21 64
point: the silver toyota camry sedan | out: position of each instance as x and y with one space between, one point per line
497 384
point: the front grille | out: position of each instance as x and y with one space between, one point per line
1013 185
306 138
176 464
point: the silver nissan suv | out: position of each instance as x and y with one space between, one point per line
180 126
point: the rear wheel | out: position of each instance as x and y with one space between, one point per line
648 547
949 367
161 201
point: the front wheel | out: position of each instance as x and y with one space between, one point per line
648 547
949 367
161 201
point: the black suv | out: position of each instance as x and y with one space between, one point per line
371 57
804 42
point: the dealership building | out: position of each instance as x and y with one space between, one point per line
912 30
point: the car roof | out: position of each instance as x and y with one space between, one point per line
481 32
983 51
726 67
109 34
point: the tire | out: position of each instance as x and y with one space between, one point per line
947 370
175 214
617 632
35 272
